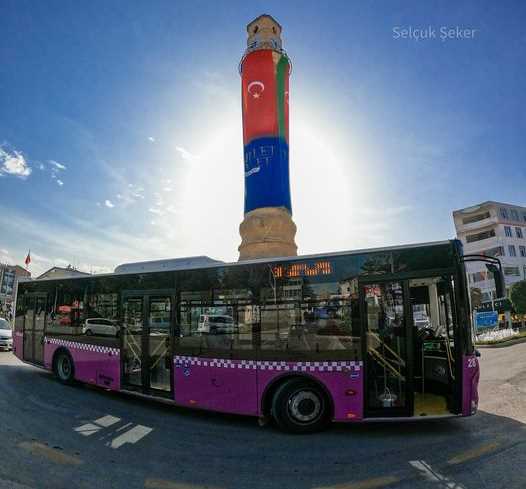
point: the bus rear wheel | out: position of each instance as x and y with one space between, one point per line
64 368
300 406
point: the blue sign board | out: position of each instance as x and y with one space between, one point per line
486 319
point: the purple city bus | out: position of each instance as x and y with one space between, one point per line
349 337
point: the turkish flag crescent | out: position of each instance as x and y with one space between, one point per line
28 258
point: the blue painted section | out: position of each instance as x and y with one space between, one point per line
267 174
486 319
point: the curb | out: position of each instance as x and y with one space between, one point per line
503 344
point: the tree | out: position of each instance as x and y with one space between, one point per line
518 297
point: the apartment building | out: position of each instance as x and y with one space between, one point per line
493 229
9 274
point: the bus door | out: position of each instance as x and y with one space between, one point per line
386 340
34 326
146 348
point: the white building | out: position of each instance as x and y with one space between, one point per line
9 275
493 229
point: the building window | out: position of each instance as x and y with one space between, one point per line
479 276
507 231
522 250
514 215
518 232
512 250
497 251
475 218
480 236
513 271
504 213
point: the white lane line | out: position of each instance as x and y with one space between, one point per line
87 429
123 427
131 436
107 420
432 475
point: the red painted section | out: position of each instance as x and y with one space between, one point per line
259 97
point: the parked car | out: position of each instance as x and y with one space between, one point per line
216 324
100 326
6 334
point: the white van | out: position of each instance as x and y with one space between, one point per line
6 334
100 326
216 324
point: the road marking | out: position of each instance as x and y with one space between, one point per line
90 428
433 476
473 453
107 420
87 429
165 484
123 427
374 483
131 436
51 454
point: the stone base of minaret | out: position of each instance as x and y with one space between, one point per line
267 232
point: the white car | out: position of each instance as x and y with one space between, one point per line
216 324
100 326
6 334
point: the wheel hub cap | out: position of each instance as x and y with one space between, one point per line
305 406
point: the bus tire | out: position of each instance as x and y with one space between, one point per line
64 367
300 406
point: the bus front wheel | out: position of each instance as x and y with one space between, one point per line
64 368
300 406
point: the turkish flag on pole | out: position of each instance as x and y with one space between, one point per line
28 258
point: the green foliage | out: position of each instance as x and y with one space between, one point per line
476 296
518 296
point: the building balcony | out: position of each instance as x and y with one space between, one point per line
474 226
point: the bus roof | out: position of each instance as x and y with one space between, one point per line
203 262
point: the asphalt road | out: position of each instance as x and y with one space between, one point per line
50 440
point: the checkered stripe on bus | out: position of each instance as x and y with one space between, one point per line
327 366
83 346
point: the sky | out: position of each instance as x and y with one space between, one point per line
121 135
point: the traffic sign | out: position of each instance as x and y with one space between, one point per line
486 319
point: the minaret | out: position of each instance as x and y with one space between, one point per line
267 229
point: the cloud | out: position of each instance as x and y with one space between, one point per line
151 139
130 194
109 203
41 166
57 165
14 163
185 154
384 212
56 169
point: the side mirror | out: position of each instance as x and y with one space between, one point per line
477 354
